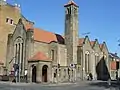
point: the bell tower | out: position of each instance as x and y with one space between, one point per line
71 31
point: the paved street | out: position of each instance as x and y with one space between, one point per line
94 85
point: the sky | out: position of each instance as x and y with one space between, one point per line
99 17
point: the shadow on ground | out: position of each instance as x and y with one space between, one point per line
114 84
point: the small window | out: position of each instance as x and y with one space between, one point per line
11 21
7 20
69 10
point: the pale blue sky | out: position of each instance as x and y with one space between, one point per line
100 17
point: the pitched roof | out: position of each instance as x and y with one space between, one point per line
114 55
28 26
44 36
80 41
101 46
92 43
71 2
47 37
39 56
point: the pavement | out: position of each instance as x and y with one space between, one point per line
81 85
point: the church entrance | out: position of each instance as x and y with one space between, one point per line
34 73
44 73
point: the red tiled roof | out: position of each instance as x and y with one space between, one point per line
44 36
92 43
80 41
47 37
101 46
71 2
39 56
28 26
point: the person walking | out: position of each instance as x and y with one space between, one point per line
25 76
91 76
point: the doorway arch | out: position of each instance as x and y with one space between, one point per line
34 74
44 73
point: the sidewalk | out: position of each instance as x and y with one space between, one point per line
81 83
41 84
59 84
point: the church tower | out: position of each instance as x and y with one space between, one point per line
71 31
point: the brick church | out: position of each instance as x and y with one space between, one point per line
47 56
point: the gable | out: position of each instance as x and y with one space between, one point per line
80 41
87 41
101 46
19 30
104 48
92 43
96 45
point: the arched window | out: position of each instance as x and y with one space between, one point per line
19 52
69 10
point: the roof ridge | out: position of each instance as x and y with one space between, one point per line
45 30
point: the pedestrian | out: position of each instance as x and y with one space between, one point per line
25 76
87 76
91 76
116 75
109 81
